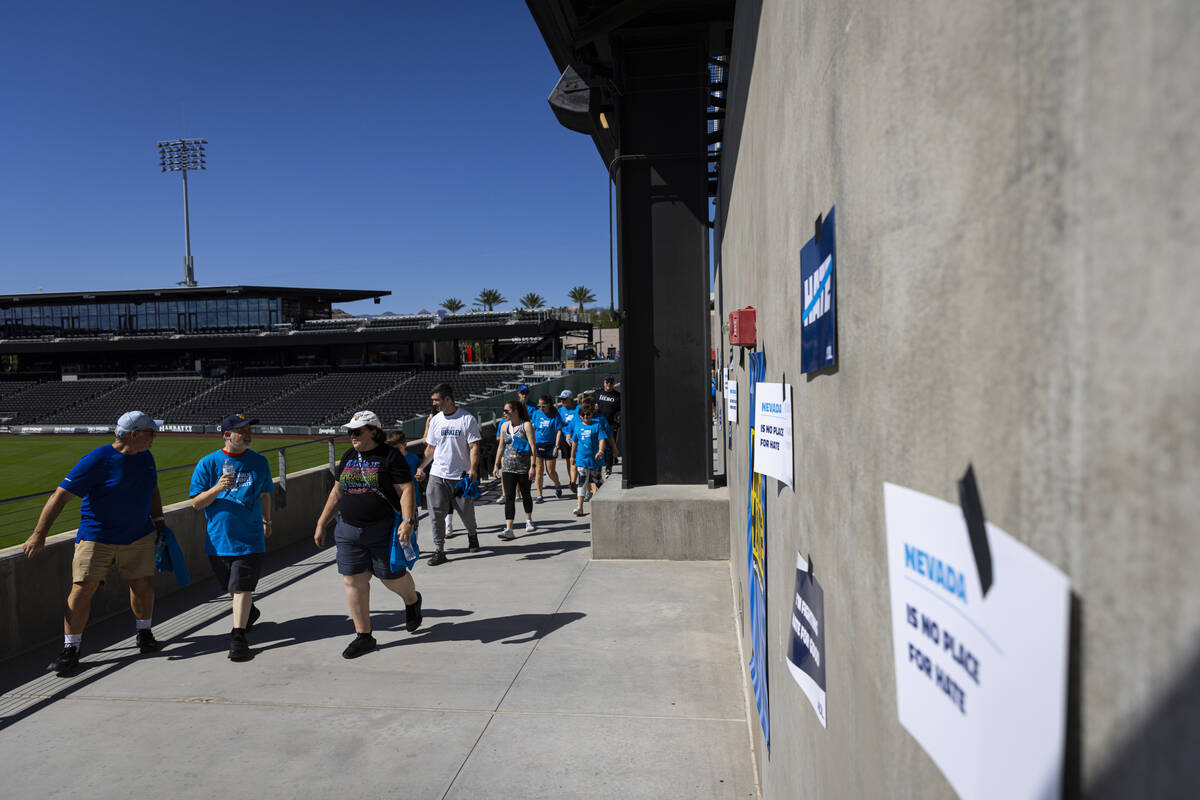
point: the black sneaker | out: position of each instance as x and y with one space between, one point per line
146 642
362 644
67 662
412 615
472 544
254 615
239 648
438 557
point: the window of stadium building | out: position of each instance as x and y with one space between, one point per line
150 315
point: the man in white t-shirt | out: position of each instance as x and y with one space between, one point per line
452 444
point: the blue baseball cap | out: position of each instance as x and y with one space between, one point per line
135 421
565 394
234 421
523 388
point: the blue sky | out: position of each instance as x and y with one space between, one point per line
403 145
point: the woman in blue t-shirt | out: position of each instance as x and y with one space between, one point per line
547 434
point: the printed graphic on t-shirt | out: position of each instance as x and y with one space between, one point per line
360 476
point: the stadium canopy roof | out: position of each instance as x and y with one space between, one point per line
193 293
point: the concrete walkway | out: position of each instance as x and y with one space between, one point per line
538 673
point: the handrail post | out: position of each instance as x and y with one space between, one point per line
281 500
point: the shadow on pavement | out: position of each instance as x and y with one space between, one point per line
530 551
271 635
529 627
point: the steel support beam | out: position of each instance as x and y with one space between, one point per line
662 215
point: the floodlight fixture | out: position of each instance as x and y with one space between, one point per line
181 155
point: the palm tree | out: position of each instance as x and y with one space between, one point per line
490 298
533 301
453 305
581 295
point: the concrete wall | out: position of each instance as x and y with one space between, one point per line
1018 212
33 592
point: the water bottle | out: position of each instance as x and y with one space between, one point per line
410 555
230 467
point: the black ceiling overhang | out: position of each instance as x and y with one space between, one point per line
578 35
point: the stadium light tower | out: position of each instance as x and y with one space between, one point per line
181 155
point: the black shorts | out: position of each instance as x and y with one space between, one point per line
365 549
237 573
566 450
545 451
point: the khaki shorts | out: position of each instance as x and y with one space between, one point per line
93 560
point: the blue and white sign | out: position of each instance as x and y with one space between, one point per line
731 400
818 320
981 680
806 645
773 431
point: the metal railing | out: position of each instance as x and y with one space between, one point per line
18 515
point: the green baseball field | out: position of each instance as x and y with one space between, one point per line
31 465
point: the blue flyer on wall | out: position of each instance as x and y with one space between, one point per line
806 646
818 321
756 567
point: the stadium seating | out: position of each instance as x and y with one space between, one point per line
331 397
339 324
306 399
479 318
9 388
42 400
155 396
412 398
403 321
236 395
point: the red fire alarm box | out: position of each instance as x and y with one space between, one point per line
743 329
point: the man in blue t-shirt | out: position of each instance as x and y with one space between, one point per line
523 396
233 487
591 441
547 434
567 413
121 508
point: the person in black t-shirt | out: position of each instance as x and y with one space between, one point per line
608 405
373 484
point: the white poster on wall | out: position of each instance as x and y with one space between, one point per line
773 430
731 400
981 681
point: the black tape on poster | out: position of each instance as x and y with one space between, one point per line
972 507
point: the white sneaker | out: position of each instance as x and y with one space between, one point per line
507 534
529 525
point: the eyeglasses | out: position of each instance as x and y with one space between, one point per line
357 432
